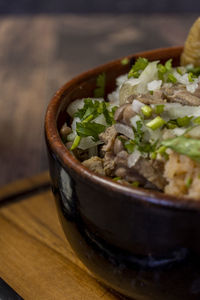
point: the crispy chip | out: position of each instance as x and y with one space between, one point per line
191 52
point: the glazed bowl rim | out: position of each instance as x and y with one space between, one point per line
56 145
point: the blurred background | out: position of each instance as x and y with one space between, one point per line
44 43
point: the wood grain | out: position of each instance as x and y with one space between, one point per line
40 53
25 186
35 258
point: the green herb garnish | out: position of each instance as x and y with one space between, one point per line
159 109
171 124
139 66
142 146
190 77
183 122
129 146
163 69
187 146
171 78
90 129
147 111
155 123
75 142
101 83
195 71
93 108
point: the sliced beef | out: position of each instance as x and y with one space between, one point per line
95 164
109 164
123 171
152 170
108 137
124 113
156 98
179 94
118 145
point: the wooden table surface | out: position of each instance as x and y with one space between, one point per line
35 257
40 53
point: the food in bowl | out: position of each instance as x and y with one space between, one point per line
146 133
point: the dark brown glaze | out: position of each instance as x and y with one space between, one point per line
142 243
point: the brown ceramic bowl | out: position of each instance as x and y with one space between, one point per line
143 244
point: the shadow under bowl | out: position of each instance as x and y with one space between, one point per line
143 244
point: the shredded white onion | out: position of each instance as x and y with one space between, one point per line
73 126
134 120
183 79
121 79
176 110
154 85
133 158
125 130
178 131
192 87
149 74
114 97
100 120
194 132
78 104
74 106
87 143
136 106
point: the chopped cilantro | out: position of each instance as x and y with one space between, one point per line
109 115
195 71
179 71
129 146
89 108
90 129
142 146
171 124
147 147
100 89
164 69
171 78
161 71
190 77
184 122
93 108
139 66
138 132
168 64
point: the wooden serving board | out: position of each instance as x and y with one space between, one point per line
35 257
